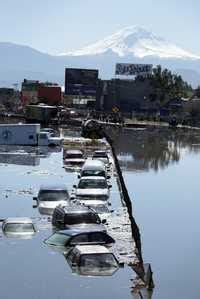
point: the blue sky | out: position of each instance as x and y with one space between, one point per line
56 26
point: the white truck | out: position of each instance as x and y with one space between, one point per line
26 134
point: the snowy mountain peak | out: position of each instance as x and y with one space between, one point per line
135 41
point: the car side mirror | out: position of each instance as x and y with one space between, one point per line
74 186
34 206
104 221
35 198
79 176
108 177
109 186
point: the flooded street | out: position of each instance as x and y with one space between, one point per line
30 268
160 169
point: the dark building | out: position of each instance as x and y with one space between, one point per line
126 95
81 82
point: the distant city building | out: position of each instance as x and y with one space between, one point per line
51 95
33 92
29 92
81 82
123 95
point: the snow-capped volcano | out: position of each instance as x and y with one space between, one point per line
137 42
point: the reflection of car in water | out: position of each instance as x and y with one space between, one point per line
72 216
18 227
50 196
73 237
92 260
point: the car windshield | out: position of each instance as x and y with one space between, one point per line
102 260
74 156
100 155
19 228
57 239
90 184
53 195
81 218
93 173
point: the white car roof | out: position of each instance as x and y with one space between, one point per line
90 249
89 163
18 220
92 178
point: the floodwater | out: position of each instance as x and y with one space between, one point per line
29 268
161 170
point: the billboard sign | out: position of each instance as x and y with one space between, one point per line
128 69
81 82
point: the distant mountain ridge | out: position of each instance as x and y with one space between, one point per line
129 45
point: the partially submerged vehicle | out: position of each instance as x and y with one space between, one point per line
50 196
92 188
73 158
51 131
26 134
73 237
74 216
19 227
92 260
93 167
102 156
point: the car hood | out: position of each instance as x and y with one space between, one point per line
92 192
50 204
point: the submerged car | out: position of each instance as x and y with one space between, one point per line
73 237
50 196
73 216
73 158
102 156
92 188
93 168
18 227
92 260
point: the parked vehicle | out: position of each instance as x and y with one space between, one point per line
92 260
73 237
102 156
73 158
73 216
50 196
26 134
41 113
90 188
93 168
18 227
51 131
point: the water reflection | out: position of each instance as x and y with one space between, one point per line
25 155
143 150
